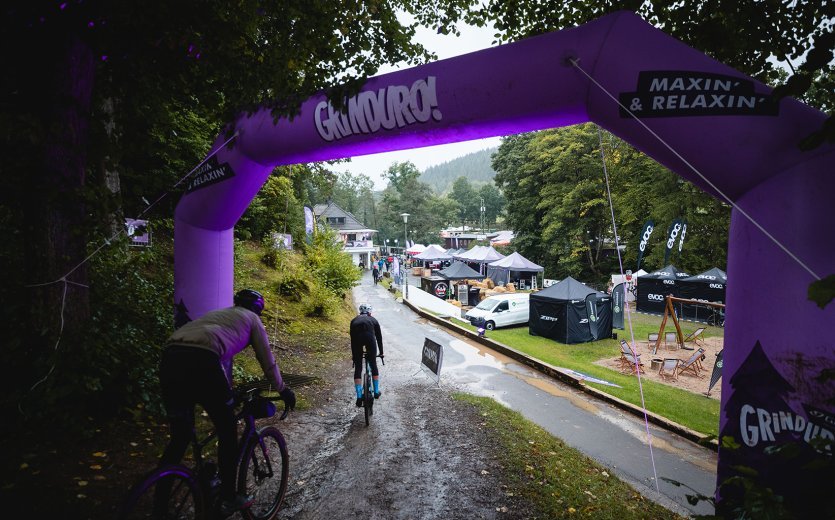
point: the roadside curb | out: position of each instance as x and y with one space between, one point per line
554 372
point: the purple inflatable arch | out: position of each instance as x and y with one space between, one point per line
706 117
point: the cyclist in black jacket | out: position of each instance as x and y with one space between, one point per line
365 332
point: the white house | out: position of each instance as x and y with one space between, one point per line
358 240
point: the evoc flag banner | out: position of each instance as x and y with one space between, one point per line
308 221
618 302
672 234
681 240
646 231
431 359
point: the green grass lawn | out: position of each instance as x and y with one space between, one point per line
694 411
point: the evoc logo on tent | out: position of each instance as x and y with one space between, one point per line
548 318
655 297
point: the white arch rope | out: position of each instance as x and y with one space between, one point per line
575 62
628 315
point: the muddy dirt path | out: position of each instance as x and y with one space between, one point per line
423 456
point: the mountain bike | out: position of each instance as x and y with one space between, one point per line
368 390
177 491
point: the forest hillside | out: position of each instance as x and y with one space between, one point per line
475 167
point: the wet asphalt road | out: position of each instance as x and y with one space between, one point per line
601 431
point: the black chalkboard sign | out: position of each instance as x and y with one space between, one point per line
432 357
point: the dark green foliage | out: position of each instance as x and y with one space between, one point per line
428 213
332 268
475 167
355 195
822 292
276 209
322 302
111 366
558 205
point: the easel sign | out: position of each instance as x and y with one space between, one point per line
431 359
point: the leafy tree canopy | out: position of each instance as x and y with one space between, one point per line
558 205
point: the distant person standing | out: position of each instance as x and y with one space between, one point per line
380 264
375 272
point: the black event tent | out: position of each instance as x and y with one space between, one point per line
570 312
654 287
460 271
707 286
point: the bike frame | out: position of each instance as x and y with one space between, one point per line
249 432
200 484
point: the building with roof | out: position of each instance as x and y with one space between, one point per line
357 238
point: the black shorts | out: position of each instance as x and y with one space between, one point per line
371 356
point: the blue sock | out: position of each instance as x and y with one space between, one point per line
376 386
359 391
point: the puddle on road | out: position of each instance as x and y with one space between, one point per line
552 388
638 431
477 356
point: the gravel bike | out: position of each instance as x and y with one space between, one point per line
368 389
179 492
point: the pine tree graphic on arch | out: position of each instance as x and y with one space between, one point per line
758 386
756 383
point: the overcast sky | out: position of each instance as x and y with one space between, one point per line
444 46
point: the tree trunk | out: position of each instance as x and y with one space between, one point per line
56 238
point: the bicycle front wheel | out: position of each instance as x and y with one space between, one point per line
264 471
169 492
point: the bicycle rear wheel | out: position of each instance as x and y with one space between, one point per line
169 492
368 396
263 473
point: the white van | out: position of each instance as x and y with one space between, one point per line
501 310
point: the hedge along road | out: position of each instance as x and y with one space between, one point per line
598 429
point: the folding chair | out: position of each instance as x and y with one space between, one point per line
652 339
630 361
671 338
669 369
695 337
626 348
693 363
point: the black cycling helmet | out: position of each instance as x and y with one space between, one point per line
250 299
365 308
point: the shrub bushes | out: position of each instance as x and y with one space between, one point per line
332 267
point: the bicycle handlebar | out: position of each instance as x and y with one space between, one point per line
253 390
